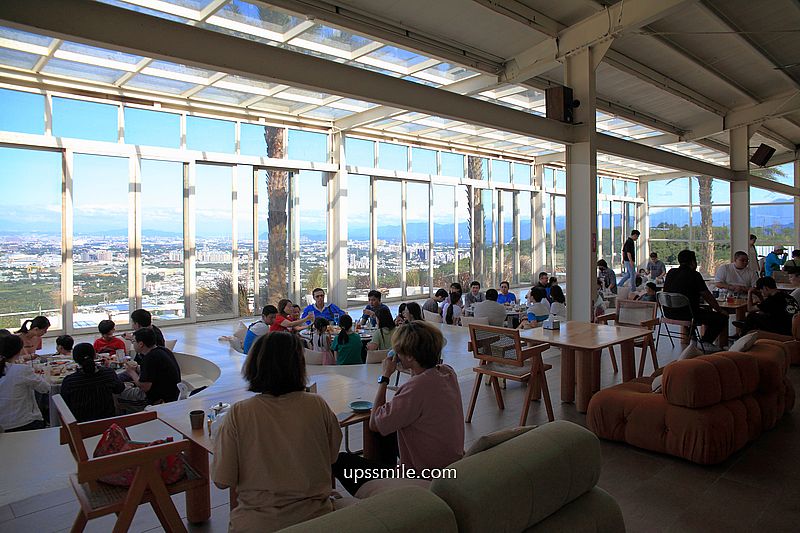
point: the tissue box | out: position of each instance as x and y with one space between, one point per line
551 323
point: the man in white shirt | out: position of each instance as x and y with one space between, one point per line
489 308
736 276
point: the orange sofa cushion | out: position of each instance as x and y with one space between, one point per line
710 379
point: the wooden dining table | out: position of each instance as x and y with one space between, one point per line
733 306
581 344
337 390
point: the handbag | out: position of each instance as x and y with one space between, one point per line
115 439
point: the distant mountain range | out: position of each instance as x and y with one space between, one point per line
781 215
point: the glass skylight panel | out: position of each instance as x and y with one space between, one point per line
13 58
163 85
97 56
332 41
224 95
393 58
275 104
178 72
82 71
409 127
303 95
259 20
385 123
528 99
350 104
246 85
24 41
445 73
157 8
326 113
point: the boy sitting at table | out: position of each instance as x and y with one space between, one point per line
538 309
108 342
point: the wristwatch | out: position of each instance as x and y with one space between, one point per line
383 379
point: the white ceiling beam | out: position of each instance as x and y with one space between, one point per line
557 157
526 15
471 85
775 107
128 31
598 28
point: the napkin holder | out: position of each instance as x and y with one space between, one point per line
551 323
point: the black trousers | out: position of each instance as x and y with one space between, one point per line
346 463
714 322
36 424
766 322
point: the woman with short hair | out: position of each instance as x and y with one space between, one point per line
276 448
425 412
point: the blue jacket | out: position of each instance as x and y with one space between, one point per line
772 263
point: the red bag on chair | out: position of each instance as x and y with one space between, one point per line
115 440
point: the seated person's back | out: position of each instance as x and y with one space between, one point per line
158 374
259 327
89 392
277 447
489 308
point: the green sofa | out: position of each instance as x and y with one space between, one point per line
541 480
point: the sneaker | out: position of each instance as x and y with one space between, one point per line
709 347
738 324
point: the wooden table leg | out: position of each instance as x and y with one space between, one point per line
583 370
370 442
628 357
741 316
198 499
567 375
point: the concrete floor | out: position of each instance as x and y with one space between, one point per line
758 489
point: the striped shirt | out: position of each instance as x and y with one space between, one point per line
89 396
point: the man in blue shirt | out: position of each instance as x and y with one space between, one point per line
330 312
774 260
506 297
371 310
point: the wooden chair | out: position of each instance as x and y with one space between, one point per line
98 499
502 356
467 320
430 316
376 356
637 314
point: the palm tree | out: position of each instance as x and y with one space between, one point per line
475 214
278 194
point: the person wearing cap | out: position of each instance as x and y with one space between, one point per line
774 260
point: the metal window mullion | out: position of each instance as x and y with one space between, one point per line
120 124
254 208
67 291
234 240
430 239
48 114
135 273
456 207
373 232
403 237
516 224
500 233
294 236
189 250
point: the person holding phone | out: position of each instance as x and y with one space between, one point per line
426 438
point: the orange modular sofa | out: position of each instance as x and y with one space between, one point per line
710 406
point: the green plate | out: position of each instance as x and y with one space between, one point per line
361 406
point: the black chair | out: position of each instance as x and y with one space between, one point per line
677 302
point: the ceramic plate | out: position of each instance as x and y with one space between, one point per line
361 406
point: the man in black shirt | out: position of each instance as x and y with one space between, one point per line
157 377
688 281
770 309
629 260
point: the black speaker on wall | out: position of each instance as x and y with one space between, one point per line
762 155
559 104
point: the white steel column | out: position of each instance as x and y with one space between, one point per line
538 256
516 244
235 240
67 293
257 301
403 238
740 190
499 268
189 251
581 169
430 235
643 221
136 279
796 168
337 222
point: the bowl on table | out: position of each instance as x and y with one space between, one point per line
361 406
